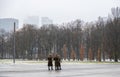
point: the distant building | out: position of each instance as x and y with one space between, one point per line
7 24
33 20
46 21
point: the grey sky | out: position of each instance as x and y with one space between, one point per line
57 10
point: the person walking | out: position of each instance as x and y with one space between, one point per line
57 62
50 62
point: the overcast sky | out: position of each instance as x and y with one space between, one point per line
57 10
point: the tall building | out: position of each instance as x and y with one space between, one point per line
33 20
7 24
46 21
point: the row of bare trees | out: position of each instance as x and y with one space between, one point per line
74 40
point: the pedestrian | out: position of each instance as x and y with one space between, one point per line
59 62
50 62
56 62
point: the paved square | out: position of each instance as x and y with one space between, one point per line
68 70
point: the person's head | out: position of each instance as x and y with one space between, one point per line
49 55
58 56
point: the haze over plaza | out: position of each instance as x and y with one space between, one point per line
58 10
75 40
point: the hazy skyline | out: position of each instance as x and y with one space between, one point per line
58 10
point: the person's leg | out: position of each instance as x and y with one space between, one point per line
57 67
60 67
51 67
48 67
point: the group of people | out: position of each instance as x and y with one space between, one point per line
57 62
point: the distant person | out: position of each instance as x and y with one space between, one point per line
57 62
50 62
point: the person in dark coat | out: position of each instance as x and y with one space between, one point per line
57 62
50 64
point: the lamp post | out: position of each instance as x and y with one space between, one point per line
2 32
14 46
2 46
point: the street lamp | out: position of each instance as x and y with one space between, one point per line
14 45
2 32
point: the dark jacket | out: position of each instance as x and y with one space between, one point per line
57 63
50 61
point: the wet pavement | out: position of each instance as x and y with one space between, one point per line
68 70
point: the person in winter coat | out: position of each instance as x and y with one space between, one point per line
57 62
50 62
